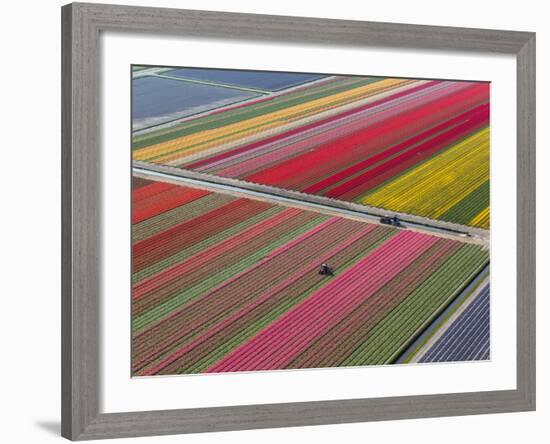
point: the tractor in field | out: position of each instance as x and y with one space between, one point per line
325 270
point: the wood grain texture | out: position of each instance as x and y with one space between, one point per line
239 26
80 222
526 221
81 231
216 419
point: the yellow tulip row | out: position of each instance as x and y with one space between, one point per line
186 146
481 219
440 183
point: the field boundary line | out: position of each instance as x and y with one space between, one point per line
297 199
476 281
448 322
210 83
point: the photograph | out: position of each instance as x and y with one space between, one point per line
275 222
287 220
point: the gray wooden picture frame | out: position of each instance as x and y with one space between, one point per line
81 234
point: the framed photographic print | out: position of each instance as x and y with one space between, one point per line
279 221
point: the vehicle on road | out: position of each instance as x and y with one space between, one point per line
394 221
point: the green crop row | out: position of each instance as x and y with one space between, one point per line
204 285
396 329
254 328
239 114
194 249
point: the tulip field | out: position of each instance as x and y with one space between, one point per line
237 268
467 338
225 283
411 146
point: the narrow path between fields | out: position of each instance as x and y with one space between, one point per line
435 329
322 204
